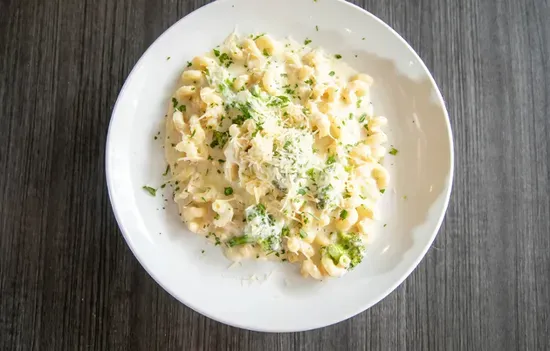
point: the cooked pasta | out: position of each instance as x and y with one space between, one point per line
275 152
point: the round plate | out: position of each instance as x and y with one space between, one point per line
268 296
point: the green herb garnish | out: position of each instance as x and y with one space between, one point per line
393 151
150 190
285 231
225 59
228 191
343 214
240 240
219 139
280 101
258 36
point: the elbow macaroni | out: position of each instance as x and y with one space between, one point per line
274 152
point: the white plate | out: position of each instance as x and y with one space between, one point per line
276 299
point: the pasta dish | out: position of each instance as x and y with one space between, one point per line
275 152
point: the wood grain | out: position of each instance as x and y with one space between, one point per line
68 281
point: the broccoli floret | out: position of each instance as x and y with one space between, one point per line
335 251
262 228
348 244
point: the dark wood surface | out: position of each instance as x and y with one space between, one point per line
68 280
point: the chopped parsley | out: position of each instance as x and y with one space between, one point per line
303 234
258 36
166 171
189 64
258 210
280 101
175 103
393 151
168 58
338 56
150 190
311 173
302 191
225 60
343 214
382 191
285 231
307 41
332 73
287 145
228 191
331 159
323 197
362 118
217 53
317 28
219 139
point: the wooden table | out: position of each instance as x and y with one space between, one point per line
68 280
